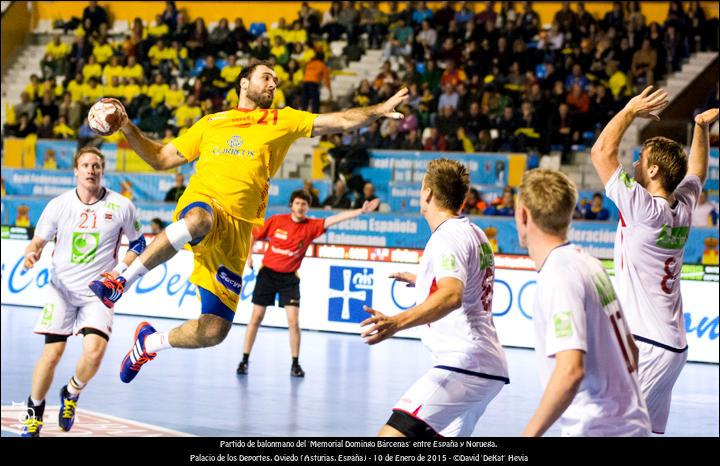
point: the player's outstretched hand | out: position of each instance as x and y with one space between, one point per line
30 259
383 327
405 277
388 107
648 103
121 108
369 206
707 117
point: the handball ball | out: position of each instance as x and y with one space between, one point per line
104 117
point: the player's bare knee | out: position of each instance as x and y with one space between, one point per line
212 330
198 221
52 354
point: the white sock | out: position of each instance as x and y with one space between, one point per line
135 271
75 386
37 402
157 341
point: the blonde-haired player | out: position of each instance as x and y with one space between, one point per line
587 356
655 217
454 294
238 151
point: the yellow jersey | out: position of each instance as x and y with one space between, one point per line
230 73
102 53
92 71
76 90
91 95
239 151
173 99
136 72
57 52
110 72
157 93
184 112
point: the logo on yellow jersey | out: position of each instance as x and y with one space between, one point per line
234 147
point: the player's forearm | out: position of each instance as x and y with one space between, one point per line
146 148
358 117
341 217
698 160
558 395
435 307
36 246
607 144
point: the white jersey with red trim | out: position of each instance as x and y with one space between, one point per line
649 249
576 309
466 338
87 236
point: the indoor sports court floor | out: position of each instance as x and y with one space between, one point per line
348 390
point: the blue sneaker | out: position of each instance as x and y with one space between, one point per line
34 420
109 289
137 356
68 405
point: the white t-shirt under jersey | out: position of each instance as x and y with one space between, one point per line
649 248
466 338
577 309
87 236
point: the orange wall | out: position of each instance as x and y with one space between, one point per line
15 24
270 11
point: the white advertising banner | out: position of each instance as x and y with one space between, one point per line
333 294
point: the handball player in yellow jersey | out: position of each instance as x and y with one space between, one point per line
238 151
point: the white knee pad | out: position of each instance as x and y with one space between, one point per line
178 234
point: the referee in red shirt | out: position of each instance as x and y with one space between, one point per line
289 236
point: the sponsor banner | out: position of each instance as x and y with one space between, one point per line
332 300
407 166
149 187
711 184
403 231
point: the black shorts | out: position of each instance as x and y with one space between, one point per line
269 283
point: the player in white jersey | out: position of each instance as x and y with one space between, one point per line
454 295
655 217
586 354
86 224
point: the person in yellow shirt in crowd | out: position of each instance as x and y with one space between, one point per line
102 51
280 51
231 71
76 87
158 28
33 88
114 88
92 91
55 53
295 76
50 84
296 34
280 30
157 90
92 69
278 99
169 136
133 69
181 56
189 111
618 82
238 152
112 70
174 97
231 98
159 53
132 90
61 130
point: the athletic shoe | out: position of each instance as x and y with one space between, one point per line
68 406
242 368
296 371
34 421
137 356
109 289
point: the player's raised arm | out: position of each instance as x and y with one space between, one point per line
604 153
157 155
368 206
698 160
354 118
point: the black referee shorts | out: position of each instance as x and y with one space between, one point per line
269 283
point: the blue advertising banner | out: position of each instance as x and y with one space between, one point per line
403 230
139 187
407 166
